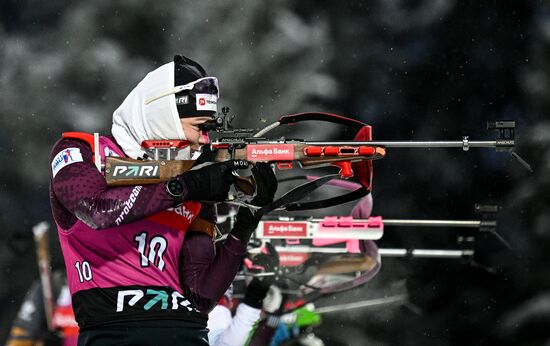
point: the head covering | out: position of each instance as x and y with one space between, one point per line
150 111
202 99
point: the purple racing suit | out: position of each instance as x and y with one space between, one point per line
129 253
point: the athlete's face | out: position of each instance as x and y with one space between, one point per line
192 132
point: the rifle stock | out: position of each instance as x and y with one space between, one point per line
121 171
125 171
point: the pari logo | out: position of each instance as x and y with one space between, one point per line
285 229
64 158
202 101
144 171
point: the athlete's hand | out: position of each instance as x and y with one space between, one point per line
212 182
266 186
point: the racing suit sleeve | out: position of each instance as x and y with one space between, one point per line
207 271
80 189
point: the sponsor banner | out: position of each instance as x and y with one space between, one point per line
292 259
141 170
284 229
270 152
64 158
206 102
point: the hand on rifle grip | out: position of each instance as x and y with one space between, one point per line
209 183
266 184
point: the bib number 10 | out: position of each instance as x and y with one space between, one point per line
151 251
84 271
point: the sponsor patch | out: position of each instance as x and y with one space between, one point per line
138 170
182 100
129 204
109 152
270 152
206 102
285 229
292 259
64 158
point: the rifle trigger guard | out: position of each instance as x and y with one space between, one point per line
345 169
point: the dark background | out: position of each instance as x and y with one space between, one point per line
415 70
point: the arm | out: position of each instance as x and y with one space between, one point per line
206 271
81 190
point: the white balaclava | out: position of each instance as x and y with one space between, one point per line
134 121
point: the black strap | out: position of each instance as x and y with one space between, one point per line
329 202
323 203
297 193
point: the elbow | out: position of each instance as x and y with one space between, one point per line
94 221
99 216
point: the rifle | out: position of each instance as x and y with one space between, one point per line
352 158
318 256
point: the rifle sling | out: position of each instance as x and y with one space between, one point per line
296 194
329 202
292 205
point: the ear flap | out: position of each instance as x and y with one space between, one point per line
363 169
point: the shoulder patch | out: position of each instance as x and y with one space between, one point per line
108 152
64 158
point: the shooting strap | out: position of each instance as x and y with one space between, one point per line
329 202
290 204
296 194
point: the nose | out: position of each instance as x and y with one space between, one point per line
203 138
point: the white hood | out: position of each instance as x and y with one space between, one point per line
134 122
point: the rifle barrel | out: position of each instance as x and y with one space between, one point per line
433 223
384 252
415 144
427 223
397 299
424 253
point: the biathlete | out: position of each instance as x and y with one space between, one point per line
141 266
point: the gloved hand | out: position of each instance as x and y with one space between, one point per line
255 293
209 183
266 184
267 260
261 293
